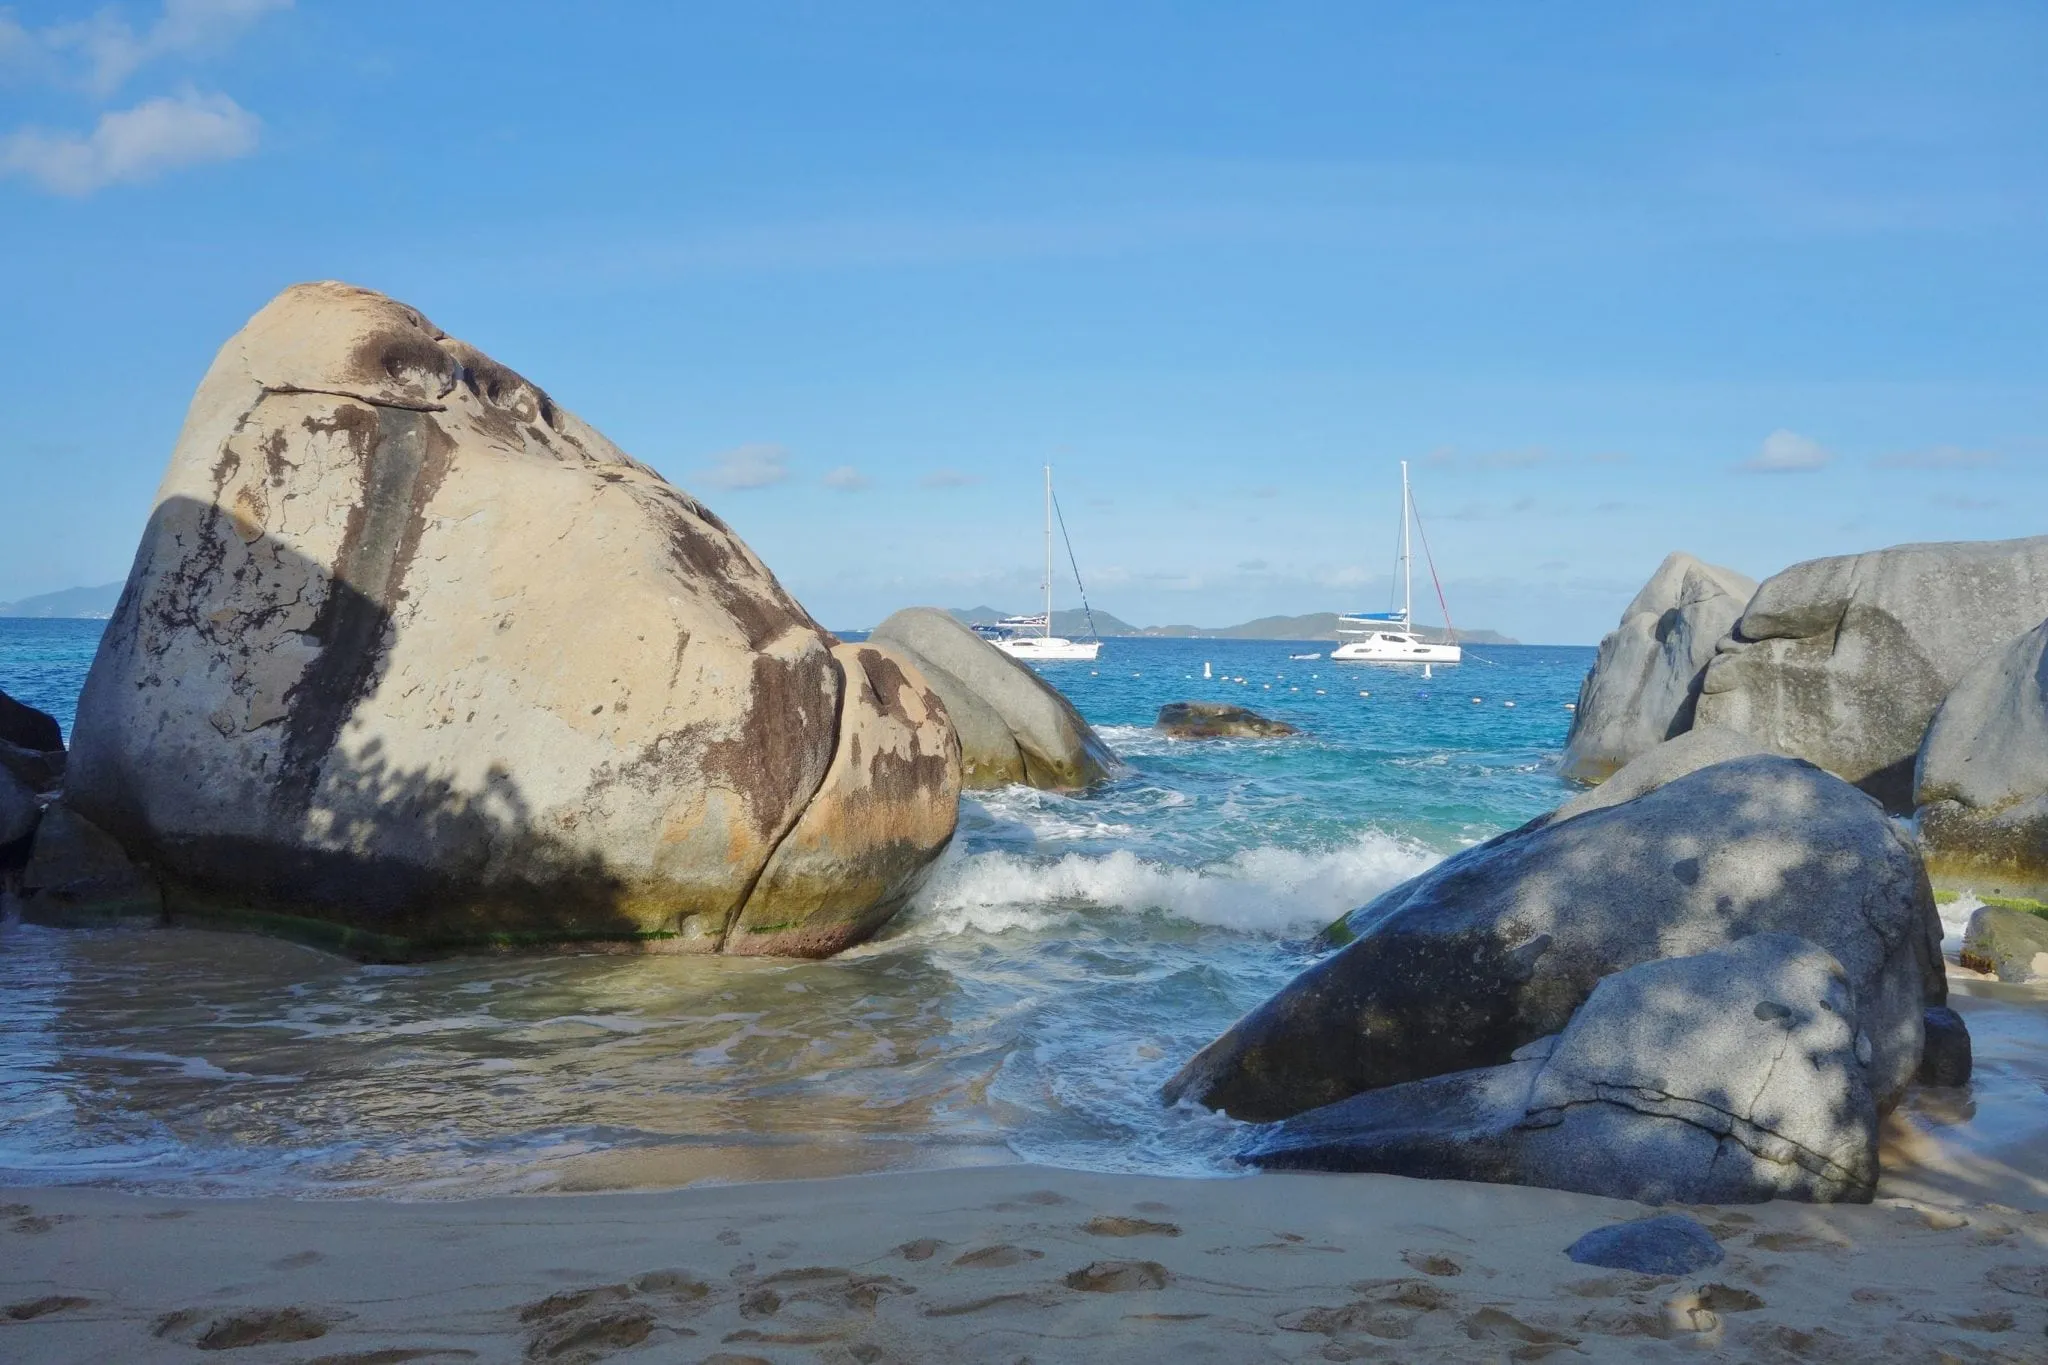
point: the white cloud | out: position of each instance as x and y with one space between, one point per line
1787 452
947 478
847 479
756 465
112 51
129 145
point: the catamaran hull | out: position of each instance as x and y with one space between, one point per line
1043 649
1376 652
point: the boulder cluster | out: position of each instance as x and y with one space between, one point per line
412 660
1706 977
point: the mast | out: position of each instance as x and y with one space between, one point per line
1048 550
1407 559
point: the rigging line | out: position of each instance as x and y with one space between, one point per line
1437 583
1076 566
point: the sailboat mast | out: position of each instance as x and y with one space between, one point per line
1407 559
1048 552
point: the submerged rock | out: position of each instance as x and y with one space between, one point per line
1843 661
1947 1058
1014 726
1215 720
413 659
1498 945
1660 766
1981 781
1645 680
1735 1075
2011 945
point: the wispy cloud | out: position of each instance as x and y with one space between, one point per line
756 465
948 478
1787 452
1938 457
129 145
103 52
847 479
1963 504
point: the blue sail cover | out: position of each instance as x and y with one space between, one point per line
1399 618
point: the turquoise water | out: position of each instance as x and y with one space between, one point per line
1067 954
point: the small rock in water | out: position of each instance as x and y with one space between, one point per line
1213 720
1668 1244
1946 1059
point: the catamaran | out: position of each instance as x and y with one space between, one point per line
1030 637
1388 637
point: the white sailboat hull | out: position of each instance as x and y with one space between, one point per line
1049 649
1389 648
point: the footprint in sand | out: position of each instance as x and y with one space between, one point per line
238 1328
1433 1263
2031 1280
1794 1241
1497 1324
393 1355
1700 1310
1106 1225
298 1260
30 1309
923 1249
1118 1277
1023 1203
1991 1320
582 1325
995 1257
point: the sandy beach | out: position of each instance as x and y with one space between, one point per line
1021 1263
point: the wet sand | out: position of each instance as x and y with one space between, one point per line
1005 1264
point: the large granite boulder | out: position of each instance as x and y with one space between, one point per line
413 659
1981 780
1014 726
1843 661
1216 720
1736 1075
1660 766
1496 946
1645 680
2009 944
24 726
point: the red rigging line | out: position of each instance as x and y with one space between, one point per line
1435 582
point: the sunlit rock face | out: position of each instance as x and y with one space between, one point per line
412 658
1981 780
1842 661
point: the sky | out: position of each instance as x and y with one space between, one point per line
1762 283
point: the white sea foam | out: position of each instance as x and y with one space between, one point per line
1955 918
1260 890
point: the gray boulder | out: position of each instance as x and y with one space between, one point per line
27 727
1013 725
1981 779
1948 1058
19 811
1498 945
40 770
1667 1244
1215 720
1730 1076
1843 661
79 877
2009 944
1660 766
1646 678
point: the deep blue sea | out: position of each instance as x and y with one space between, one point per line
1068 953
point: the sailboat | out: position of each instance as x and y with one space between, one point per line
1019 640
1388 637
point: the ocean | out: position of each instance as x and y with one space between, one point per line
1067 954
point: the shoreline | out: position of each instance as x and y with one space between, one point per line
1003 1263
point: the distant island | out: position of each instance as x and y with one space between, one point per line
1321 625
95 604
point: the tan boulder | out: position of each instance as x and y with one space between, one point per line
409 649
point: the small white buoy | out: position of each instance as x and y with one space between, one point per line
1269 687
1364 694
1321 693
1571 706
1510 705
1205 668
1294 689
1425 671
1094 673
1477 700
1137 675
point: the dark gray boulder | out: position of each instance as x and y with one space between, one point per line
1947 1059
77 876
1981 779
20 808
1736 1075
1646 678
1498 945
1843 661
2009 944
1667 1244
1661 766
40 770
1216 720
1014 726
23 725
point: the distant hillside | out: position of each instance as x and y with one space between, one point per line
1320 625
95 603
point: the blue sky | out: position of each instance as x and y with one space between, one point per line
1762 283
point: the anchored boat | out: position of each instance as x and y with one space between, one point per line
1030 637
1388 637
